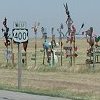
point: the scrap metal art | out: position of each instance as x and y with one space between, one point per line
5 31
71 50
54 58
53 42
94 49
45 45
60 41
91 41
35 28
49 48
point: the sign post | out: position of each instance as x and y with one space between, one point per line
20 35
19 66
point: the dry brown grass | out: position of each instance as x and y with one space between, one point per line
76 81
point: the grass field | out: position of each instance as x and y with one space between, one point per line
79 82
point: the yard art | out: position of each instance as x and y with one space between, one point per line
48 48
45 44
93 51
5 31
20 36
35 28
8 42
61 35
71 50
54 58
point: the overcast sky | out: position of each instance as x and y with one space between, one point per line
50 13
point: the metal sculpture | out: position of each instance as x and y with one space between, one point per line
35 28
49 48
60 40
91 41
5 31
69 21
45 45
53 42
71 50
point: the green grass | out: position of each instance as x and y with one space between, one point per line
51 92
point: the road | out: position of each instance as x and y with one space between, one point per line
9 95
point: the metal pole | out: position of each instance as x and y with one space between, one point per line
19 66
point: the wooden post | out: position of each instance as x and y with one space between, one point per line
7 56
93 57
35 31
43 56
12 52
70 55
74 50
35 48
44 37
74 46
25 58
61 51
52 46
61 46
19 66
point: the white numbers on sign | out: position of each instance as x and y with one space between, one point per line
20 35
